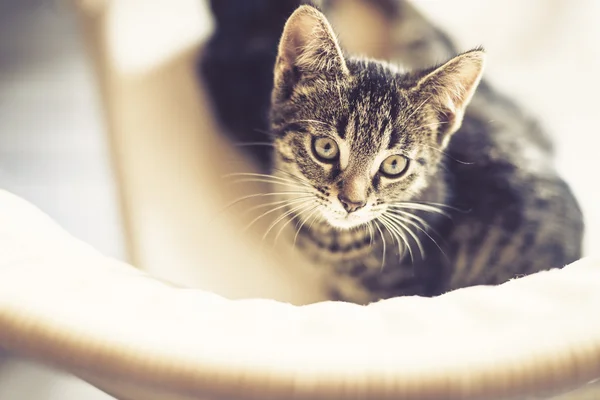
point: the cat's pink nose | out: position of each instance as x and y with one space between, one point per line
351 205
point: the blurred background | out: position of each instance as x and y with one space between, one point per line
56 148
53 145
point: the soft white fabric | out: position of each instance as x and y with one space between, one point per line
61 302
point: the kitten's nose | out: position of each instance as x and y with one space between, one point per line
351 205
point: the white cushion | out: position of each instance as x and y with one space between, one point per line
61 302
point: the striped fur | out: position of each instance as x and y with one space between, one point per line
508 212
481 201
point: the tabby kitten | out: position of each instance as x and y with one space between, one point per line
396 187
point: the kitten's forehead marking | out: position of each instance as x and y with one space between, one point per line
344 153
368 132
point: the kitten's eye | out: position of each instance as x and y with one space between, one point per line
326 149
394 166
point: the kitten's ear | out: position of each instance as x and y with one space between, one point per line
308 48
450 89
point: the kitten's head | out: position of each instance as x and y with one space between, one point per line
360 134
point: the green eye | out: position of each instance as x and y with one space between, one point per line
326 149
394 166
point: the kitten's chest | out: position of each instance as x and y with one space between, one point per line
335 247
349 259
364 264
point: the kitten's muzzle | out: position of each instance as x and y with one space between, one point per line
351 205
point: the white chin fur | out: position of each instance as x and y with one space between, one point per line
347 222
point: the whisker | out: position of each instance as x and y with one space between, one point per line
394 233
415 217
425 126
415 238
426 226
421 207
402 220
426 203
317 216
266 133
371 233
301 181
293 177
411 233
439 205
393 228
271 211
315 210
251 196
272 182
418 107
293 217
263 176
298 215
432 204
283 216
400 235
448 155
383 240
444 167
275 203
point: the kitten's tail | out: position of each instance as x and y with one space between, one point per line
237 65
